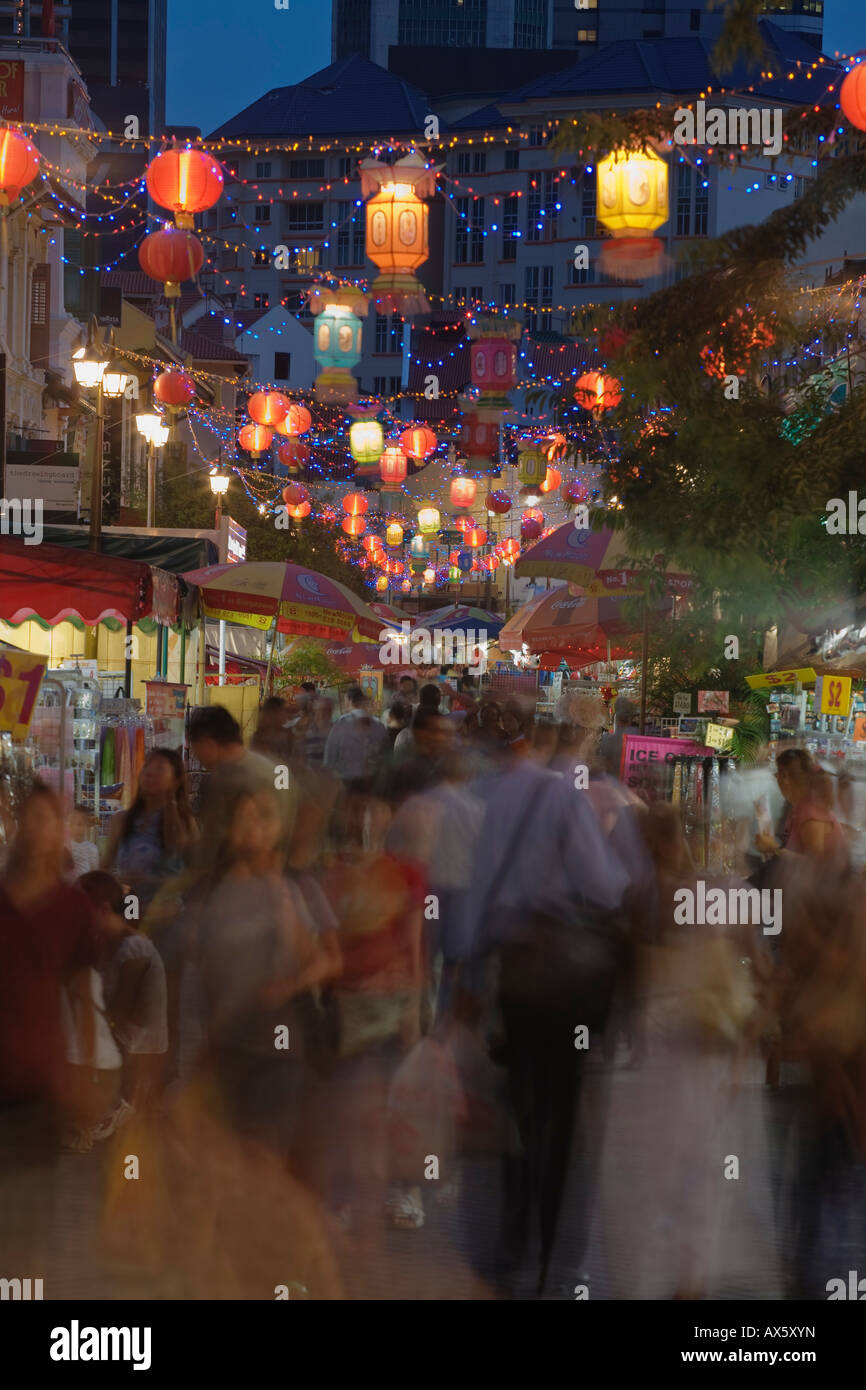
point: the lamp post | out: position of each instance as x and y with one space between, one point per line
219 485
151 426
94 370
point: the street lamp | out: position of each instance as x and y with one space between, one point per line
219 485
94 370
151 426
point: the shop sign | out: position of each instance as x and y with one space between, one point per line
713 701
20 678
683 702
833 695
11 91
640 752
719 736
236 544
805 675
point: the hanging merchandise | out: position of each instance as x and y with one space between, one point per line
337 341
632 202
715 837
397 229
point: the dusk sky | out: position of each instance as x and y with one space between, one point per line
224 54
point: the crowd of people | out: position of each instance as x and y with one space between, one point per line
371 946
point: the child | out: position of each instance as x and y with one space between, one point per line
135 996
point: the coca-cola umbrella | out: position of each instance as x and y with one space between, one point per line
581 628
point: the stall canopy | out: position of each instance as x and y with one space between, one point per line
173 553
53 583
302 602
582 628
597 560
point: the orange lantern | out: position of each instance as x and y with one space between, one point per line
371 542
852 96
392 466
418 442
510 548
463 523
475 537
597 392
295 495
355 503
174 388
397 230
395 567
463 491
186 181
297 421
255 438
355 526
294 454
429 576
298 513
268 408
491 563
19 164
393 534
171 256
552 480
406 586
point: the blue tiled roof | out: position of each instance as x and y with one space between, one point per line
487 118
350 96
677 65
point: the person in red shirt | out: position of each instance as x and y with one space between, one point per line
47 941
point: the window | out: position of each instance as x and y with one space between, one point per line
306 168
350 234
586 4
510 214
344 166
380 385
459 293
537 136
702 207
262 301
476 295
469 238
684 199
387 333
282 366
585 275
306 217
541 209
261 257
472 162
305 260
512 159
394 385
587 35
694 20
263 169
507 295
588 203
263 212
547 286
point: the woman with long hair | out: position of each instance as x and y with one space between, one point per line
148 843
811 828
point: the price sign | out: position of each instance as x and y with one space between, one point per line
682 702
719 736
20 678
805 675
833 695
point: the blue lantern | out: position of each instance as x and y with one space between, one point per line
464 560
337 341
419 546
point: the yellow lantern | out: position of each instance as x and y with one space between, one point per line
382 583
632 202
366 441
429 521
397 229
393 534
532 465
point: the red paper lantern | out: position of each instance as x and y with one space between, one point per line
406 586
493 365
510 548
298 420
294 454
186 181
498 503
475 537
852 96
372 542
491 563
575 492
19 164
463 491
268 408
552 479
295 495
298 513
395 567
174 388
454 557
393 466
531 526
597 392
255 438
355 526
355 503
463 523
171 256
418 442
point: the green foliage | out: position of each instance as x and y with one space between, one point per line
305 660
